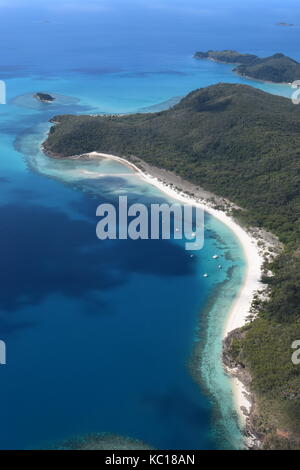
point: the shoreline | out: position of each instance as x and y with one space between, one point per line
165 181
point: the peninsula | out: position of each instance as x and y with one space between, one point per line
243 145
277 68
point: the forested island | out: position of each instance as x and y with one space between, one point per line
277 68
242 144
44 97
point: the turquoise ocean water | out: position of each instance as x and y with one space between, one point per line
100 334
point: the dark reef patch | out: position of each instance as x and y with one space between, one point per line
28 276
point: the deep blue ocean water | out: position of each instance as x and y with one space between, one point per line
100 334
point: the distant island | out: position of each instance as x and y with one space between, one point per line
277 68
243 145
44 97
282 23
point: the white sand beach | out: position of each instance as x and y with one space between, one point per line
240 309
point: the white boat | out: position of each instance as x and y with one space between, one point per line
205 275
215 257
